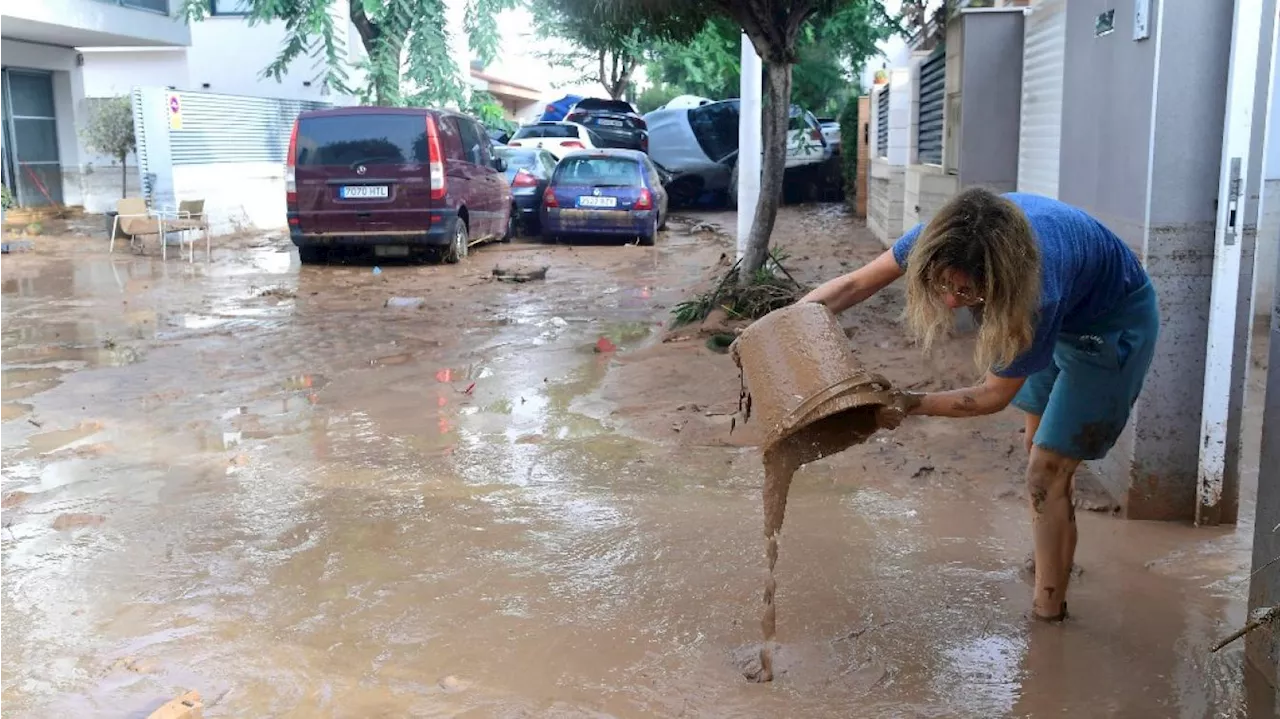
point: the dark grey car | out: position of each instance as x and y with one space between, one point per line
528 171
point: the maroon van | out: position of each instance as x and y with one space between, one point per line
399 181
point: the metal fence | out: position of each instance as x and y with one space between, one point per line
229 128
200 128
933 85
882 122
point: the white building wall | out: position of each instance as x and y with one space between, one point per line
77 23
68 91
1269 223
227 56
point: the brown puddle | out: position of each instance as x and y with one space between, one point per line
799 374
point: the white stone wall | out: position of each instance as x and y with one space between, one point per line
885 200
237 196
926 188
901 95
1267 248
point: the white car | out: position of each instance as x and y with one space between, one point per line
557 138
686 102
699 146
831 133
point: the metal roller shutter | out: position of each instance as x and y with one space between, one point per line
882 123
1040 133
933 88
228 128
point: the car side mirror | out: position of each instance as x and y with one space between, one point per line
500 164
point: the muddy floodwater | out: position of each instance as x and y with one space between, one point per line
267 483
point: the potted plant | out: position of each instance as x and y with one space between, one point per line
5 201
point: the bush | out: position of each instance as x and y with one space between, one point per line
849 148
654 97
6 197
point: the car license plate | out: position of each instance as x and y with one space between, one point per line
593 201
610 123
390 251
361 192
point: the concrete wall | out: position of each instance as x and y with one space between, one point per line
67 91
1268 238
926 188
109 72
237 196
991 99
1155 185
884 202
228 55
902 94
80 23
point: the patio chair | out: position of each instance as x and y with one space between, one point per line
189 216
134 220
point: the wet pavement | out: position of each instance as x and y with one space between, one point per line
254 479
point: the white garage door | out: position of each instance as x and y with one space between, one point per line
1040 134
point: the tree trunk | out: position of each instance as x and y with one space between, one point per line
777 106
124 177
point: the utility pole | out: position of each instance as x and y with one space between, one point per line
750 149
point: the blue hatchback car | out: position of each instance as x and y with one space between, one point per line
605 193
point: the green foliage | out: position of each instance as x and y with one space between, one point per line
654 97
766 289
830 53
849 136
489 112
109 131
608 40
6 197
407 59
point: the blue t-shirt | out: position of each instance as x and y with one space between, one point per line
1085 273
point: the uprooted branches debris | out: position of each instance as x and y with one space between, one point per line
769 288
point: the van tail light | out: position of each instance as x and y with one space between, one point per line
576 116
291 170
549 198
816 136
573 143
524 179
644 143
514 143
435 160
646 200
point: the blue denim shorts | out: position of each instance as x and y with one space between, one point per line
1084 397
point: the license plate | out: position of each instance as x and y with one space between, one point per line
390 251
361 192
610 123
592 201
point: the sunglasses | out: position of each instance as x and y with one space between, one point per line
964 294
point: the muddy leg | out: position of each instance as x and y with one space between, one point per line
1031 424
1053 523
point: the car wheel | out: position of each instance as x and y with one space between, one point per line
646 240
513 220
460 244
313 255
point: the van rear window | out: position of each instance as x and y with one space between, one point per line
350 140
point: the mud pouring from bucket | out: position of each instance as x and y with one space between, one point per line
801 382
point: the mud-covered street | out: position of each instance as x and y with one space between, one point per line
260 481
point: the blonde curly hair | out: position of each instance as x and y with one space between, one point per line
988 238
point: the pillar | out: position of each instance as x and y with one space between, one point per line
1141 147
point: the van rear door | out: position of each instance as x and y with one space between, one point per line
363 173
